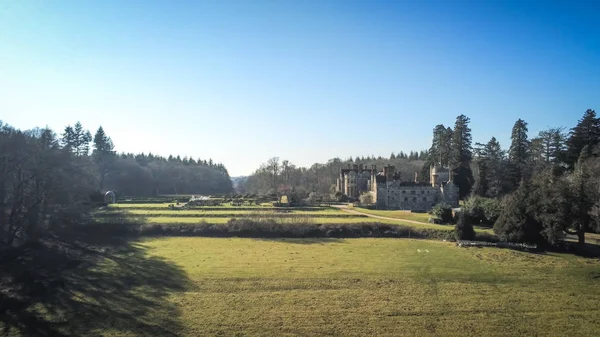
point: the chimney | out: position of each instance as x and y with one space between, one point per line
389 172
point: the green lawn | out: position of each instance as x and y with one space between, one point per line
234 212
326 215
166 205
404 215
320 220
352 287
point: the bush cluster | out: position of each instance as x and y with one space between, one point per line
483 211
443 212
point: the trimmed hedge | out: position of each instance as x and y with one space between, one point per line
229 215
269 228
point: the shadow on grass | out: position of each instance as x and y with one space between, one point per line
86 285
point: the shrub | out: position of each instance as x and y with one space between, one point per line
270 228
314 197
443 212
482 210
366 198
463 230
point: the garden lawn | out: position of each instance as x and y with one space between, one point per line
404 215
320 220
353 287
234 212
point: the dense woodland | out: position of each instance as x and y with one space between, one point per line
48 180
538 190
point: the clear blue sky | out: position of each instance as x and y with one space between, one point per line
243 81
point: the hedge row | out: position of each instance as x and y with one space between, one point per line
224 208
267 228
228 215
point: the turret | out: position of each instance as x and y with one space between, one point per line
433 175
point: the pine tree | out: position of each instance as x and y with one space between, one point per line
481 184
463 230
77 140
548 147
103 154
515 224
519 152
441 145
495 167
461 156
587 132
582 196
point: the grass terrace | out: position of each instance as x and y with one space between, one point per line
401 215
154 214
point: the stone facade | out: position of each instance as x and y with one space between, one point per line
355 180
415 196
390 192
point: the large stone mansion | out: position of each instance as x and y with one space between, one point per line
391 192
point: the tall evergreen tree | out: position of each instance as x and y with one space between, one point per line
495 167
489 163
77 140
461 155
583 195
441 145
586 132
481 185
549 146
103 154
519 152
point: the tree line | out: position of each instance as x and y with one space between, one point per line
277 176
48 179
546 187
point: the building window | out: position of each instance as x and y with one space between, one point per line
422 192
403 191
413 192
405 199
415 199
424 198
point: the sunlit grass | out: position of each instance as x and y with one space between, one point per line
234 212
324 215
404 215
163 205
375 287
351 220
166 205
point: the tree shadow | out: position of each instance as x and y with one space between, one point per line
85 285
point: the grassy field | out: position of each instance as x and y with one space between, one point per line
320 220
403 215
234 212
320 287
166 206
159 213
